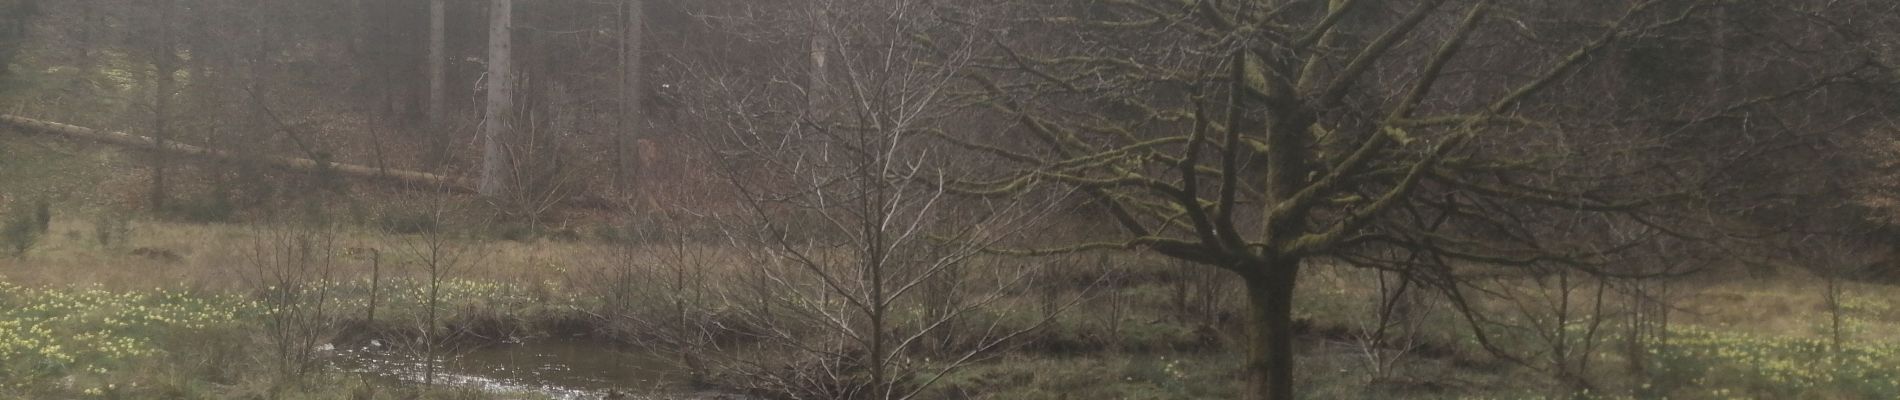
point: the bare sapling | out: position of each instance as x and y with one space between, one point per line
436 256
291 268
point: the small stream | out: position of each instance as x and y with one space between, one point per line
565 370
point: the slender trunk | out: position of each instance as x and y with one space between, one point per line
876 260
438 56
428 330
1635 354
1834 310
1270 330
375 280
500 98
1560 350
879 374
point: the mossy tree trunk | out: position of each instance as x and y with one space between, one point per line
1270 334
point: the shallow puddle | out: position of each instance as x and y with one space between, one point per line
559 369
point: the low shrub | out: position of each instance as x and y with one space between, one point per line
24 228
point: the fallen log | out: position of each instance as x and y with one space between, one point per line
402 178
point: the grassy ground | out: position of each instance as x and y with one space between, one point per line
109 304
91 319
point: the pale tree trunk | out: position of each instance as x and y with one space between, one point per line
360 31
88 17
632 116
500 98
820 55
165 66
438 49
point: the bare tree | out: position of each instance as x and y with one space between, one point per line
1256 137
1563 312
1837 262
871 259
437 254
291 269
659 290
1393 326
539 176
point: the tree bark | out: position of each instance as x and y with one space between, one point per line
1269 368
164 66
438 56
500 98
632 96
820 53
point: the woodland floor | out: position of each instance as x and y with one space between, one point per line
154 314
